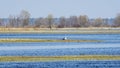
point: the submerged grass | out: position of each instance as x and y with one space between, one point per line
45 40
56 58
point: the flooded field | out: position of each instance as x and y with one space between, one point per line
104 37
110 45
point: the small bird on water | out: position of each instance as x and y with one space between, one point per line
65 38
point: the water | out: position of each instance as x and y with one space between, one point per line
66 64
61 52
104 37
109 46
58 49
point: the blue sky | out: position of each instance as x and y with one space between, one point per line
41 8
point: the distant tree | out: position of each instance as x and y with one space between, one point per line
18 22
1 22
50 21
83 21
117 21
37 22
40 22
68 23
74 21
98 22
106 23
24 18
11 22
62 22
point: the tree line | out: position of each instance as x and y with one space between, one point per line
23 20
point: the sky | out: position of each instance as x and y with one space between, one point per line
41 8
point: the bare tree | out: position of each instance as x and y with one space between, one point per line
11 21
83 20
50 21
24 18
1 22
62 22
106 22
40 22
74 21
117 21
98 22
37 22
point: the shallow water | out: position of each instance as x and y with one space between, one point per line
58 49
109 46
104 37
66 64
61 52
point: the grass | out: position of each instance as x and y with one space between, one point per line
45 40
98 30
56 58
